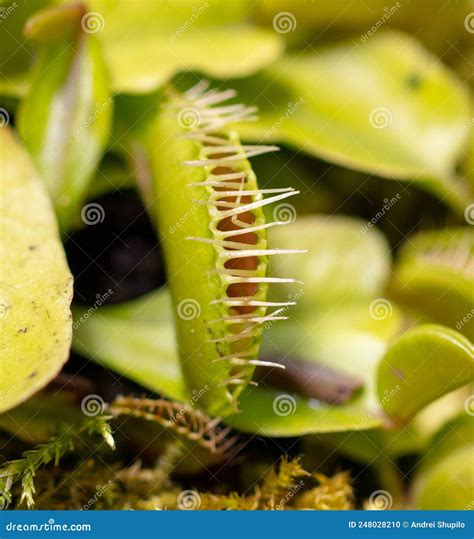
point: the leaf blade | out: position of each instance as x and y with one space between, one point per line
65 119
263 412
145 47
424 364
36 286
403 115
135 339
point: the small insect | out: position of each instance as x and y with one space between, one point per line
213 229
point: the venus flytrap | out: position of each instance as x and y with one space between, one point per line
366 377
218 255
434 276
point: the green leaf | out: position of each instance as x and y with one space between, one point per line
337 321
386 107
434 276
273 413
35 283
346 261
417 437
333 322
65 120
445 476
339 17
438 414
49 25
455 434
147 45
135 339
449 484
422 365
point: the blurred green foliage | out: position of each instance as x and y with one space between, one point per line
357 93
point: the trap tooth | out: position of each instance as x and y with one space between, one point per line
210 217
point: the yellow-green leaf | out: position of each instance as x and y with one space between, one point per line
347 261
424 364
145 46
66 116
274 413
387 107
435 276
49 25
135 339
35 283
449 484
